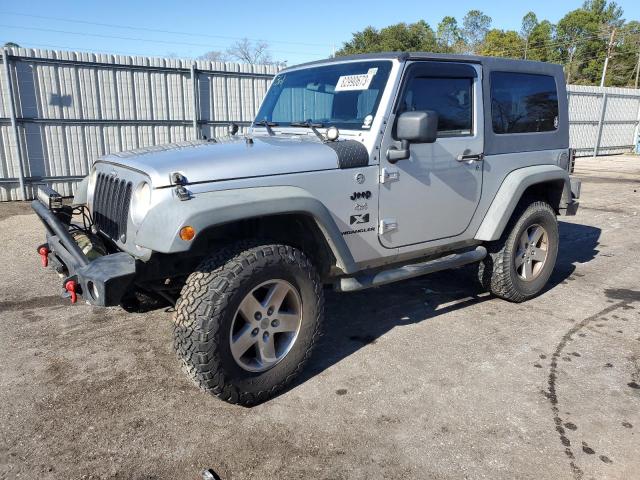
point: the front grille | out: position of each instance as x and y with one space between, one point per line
111 201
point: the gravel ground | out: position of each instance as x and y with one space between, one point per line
429 378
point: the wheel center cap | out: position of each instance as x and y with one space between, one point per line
264 324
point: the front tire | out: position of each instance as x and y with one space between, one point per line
247 320
519 264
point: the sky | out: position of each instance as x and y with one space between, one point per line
296 31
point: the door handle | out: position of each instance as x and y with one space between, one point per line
477 157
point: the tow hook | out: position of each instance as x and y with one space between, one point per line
71 287
44 255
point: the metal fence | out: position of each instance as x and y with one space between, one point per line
59 111
603 121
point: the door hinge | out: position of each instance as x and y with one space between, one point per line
388 175
387 225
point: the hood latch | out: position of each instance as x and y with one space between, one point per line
180 181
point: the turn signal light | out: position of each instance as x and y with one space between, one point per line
187 233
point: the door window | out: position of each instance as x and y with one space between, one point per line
450 98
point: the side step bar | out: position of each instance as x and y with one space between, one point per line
360 282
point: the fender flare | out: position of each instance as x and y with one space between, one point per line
510 193
160 229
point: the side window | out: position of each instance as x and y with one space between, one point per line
523 103
449 97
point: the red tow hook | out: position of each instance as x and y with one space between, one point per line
70 287
44 256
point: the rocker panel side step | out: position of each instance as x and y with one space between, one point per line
361 282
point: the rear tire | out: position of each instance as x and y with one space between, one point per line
272 289
519 264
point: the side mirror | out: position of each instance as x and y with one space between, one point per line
413 127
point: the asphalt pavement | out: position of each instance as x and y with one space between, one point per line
427 379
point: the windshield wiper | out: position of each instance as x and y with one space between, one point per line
267 124
312 126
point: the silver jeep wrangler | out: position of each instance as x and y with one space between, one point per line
357 172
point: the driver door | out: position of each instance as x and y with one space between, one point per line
434 193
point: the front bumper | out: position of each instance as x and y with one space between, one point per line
102 281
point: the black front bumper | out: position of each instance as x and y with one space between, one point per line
102 281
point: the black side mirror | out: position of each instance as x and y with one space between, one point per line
413 127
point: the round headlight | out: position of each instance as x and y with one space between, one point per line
140 202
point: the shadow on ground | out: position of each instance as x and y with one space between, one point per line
357 319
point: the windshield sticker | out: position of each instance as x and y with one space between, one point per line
355 82
367 121
279 80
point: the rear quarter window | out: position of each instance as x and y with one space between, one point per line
523 103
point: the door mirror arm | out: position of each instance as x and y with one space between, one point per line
394 154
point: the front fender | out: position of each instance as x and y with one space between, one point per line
160 229
510 193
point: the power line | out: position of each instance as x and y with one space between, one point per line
556 44
136 39
157 30
84 49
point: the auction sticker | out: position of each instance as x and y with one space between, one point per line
355 82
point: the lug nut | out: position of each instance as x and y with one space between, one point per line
275 323
270 311
265 336
257 316
254 332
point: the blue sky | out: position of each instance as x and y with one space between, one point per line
297 31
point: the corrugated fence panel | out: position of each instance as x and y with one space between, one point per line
602 120
8 146
74 107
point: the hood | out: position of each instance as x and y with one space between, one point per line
203 161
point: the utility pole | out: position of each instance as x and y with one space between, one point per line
606 60
638 68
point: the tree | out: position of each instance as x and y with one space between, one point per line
571 30
623 68
11 45
412 37
502 43
583 35
361 42
448 36
541 43
246 51
529 23
214 56
579 41
475 26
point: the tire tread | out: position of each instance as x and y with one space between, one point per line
206 296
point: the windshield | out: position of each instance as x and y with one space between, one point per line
345 95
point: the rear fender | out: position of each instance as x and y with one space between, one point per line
511 191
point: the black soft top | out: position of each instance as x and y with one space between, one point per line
494 144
